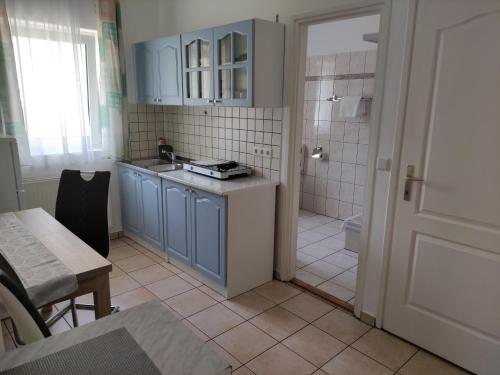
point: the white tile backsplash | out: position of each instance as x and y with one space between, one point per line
335 187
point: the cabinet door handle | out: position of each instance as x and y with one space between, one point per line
217 101
158 100
210 101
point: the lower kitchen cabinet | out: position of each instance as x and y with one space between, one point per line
195 227
141 205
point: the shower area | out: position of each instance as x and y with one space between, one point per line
338 95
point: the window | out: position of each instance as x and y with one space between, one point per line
56 78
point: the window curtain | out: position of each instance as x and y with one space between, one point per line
112 82
11 113
70 76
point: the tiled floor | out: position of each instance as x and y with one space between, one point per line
273 329
322 260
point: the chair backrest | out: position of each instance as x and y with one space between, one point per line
28 322
82 207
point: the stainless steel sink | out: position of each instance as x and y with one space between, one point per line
157 165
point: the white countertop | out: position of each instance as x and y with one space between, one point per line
219 187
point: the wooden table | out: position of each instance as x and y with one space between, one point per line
173 347
91 269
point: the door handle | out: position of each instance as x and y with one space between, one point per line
409 179
209 101
218 101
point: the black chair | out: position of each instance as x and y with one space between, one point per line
82 207
27 323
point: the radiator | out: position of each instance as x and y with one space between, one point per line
41 193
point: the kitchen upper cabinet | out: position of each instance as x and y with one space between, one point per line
197 57
208 232
158 71
176 212
234 64
240 64
141 205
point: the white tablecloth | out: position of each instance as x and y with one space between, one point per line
43 275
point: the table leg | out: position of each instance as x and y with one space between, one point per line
102 298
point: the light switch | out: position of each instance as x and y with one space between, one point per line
383 164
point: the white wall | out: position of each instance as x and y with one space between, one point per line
140 22
330 38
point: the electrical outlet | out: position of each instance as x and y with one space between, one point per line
263 152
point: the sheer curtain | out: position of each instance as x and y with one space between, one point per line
59 62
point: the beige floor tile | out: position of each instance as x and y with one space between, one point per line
304 259
139 247
277 291
118 242
385 348
280 360
122 284
117 271
212 293
424 363
190 279
134 262
171 267
314 345
133 298
228 357
155 257
190 302
123 252
243 370
195 330
308 277
332 243
215 320
352 362
336 290
316 251
323 269
341 260
172 311
278 322
319 372
84 317
307 307
169 287
151 274
249 304
342 326
59 326
245 342
346 279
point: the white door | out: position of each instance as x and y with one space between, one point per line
443 289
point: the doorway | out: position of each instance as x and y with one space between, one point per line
338 96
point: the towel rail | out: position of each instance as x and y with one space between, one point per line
336 98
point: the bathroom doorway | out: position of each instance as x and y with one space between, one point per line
338 97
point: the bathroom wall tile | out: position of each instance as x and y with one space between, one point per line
342 178
326 90
342 61
357 62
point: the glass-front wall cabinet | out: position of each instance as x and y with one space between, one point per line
197 53
233 64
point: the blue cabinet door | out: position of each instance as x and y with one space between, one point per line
233 64
168 54
176 217
197 67
145 70
129 199
208 232
151 209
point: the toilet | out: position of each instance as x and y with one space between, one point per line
352 228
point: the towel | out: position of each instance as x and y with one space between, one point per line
351 107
